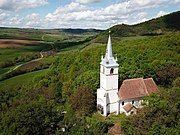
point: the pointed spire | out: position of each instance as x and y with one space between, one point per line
109 60
109 53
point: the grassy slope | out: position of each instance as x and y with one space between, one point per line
12 54
9 53
4 70
22 79
166 23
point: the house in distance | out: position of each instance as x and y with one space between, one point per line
127 99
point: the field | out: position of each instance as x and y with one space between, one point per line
47 35
12 43
18 46
21 79
15 52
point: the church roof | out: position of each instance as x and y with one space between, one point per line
128 107
136 88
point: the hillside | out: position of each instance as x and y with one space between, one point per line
48 35
81 31
64 95
21 45
157 26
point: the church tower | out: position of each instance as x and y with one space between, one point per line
107 94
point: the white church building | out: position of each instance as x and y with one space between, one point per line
127 98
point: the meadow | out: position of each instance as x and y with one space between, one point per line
22 79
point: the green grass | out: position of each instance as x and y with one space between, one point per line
22 79
133 37
77 47
54 37
36 48
50 59
22 54
10 54
4 70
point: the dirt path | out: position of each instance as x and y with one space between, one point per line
23 64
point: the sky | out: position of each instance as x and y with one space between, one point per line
98 14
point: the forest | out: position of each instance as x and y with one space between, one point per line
59 96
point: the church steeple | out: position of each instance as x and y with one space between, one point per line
109 60
107 98
109 53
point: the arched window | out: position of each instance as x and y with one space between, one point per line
122 102
133 102
111 71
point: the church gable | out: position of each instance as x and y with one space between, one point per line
129 109
150 85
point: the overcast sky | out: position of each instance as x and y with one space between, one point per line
99 14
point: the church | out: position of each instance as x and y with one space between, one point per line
127 98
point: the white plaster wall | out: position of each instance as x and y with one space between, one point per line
110 101
113 107
111 82
100 97
112 96
108 87
101 69
102 80
108 82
